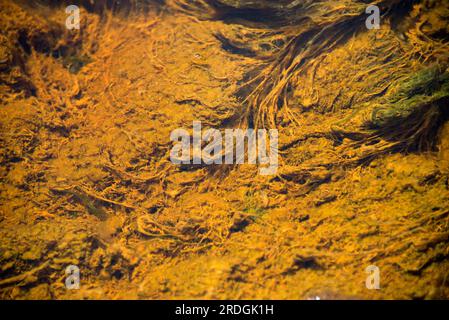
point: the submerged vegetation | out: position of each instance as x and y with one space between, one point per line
85 123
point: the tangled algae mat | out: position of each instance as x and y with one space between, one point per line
86 179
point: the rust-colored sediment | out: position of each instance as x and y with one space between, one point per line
86 180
